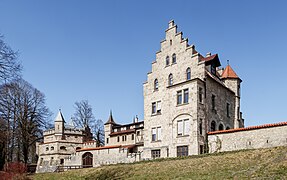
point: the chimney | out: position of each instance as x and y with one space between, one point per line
208 54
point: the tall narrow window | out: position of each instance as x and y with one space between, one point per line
227 109
158 108
213 102
173 58
118 138
179 97
153 131
200 127
185 96
212 126
107 140
188 75
200 95
170 80
167 60
133 136
153 109
170 42
155 84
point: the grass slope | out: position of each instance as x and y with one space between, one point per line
247 164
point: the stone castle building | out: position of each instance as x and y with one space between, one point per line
191 106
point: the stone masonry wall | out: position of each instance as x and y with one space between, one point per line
249 139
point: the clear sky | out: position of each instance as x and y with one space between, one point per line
101 50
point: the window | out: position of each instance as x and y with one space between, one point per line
201 149
47 148
200 95
200 127
179 97
188 75
227 109
51 161
182 151
213 69
63 148
41 161
220 127
61 161
107 140
173 58
182 127
170 80
227 127
153 109
156 107
52 148
155 84
156 134
167 60
170 42
185 96
155 153
213 102
118 138
138 133
133 136
124 138
212 126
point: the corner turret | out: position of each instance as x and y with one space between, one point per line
233 82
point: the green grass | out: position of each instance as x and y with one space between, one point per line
247 164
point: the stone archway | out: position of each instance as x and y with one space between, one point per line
87 160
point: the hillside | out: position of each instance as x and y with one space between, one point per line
259 164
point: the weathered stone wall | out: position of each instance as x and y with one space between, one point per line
249 139
104 157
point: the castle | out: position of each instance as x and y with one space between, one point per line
191 106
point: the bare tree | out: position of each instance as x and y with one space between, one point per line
23 108
10 68
84 118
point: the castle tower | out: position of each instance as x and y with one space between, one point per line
59 124
108 127
232 81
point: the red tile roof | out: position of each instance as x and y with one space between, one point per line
123 132
229 73
107 147
98 148
248 128
209 58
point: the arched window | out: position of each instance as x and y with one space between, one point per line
47 148
52 148
170 79
167 60
227 127
173 58
188 74
212 126
155 84
220 127
77 148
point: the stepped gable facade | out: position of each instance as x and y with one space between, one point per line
187 95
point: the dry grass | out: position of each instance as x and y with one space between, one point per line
249 164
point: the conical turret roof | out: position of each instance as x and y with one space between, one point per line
111 119
59 117
229 73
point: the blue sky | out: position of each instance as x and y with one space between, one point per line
101 50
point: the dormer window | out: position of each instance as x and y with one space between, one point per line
173 59
213 69
155 84
167 60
